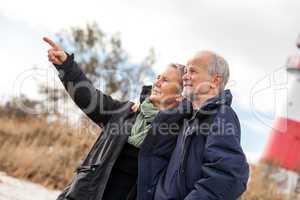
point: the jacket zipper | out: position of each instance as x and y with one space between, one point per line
187 134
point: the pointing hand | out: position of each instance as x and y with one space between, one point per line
56 54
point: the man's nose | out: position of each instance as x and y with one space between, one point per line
186 77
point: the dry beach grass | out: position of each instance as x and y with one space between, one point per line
47 153
43 152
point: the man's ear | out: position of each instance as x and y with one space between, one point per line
216 81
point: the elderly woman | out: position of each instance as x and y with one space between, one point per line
110 170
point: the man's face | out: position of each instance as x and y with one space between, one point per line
196 79
166 87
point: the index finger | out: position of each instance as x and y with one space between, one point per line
50 42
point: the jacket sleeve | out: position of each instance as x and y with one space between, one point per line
166 126
95 104
225 168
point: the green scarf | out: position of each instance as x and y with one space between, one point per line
142 123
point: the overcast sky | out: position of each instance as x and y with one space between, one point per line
255 36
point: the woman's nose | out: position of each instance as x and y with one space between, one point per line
157 83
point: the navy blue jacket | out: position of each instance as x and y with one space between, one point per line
208 162
158 146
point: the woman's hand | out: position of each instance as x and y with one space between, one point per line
56 54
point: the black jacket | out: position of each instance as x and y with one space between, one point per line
114 116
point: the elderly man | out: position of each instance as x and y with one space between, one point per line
208 161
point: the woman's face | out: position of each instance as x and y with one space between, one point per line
166 88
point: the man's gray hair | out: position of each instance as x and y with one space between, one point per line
219 66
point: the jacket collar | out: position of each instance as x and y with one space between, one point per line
210 105
225 98
146 91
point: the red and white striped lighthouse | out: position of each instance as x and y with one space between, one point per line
283 148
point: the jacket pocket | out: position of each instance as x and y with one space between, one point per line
80 188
